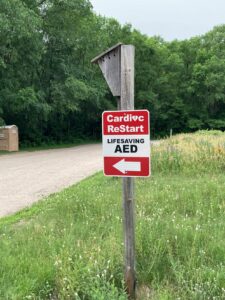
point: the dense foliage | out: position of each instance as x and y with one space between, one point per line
49 88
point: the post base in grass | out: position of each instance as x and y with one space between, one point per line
130 282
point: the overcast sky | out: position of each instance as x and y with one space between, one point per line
171 19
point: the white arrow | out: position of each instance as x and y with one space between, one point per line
125 166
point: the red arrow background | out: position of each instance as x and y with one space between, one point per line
109 170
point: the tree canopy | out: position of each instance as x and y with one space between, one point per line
50 90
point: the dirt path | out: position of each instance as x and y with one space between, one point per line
29 176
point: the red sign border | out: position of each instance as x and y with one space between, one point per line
149 157
122 111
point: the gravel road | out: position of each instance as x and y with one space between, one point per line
29 176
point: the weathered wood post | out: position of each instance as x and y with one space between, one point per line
117 65
127 103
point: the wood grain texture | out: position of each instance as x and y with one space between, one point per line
127 77
110 66
129 235
127 103
96 59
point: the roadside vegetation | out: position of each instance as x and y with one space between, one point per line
3 152
70 246
61 145
44 146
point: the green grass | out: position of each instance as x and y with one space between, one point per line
58 145
52 146
70 246
5 152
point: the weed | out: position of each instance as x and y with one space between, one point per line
70 246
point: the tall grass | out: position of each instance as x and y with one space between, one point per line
71 246
203 151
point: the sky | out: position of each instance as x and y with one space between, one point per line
170 19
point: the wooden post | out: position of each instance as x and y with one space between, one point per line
127 103
117 65
118 103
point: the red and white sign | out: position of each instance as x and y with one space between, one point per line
126 143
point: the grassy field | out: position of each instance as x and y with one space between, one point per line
70 246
